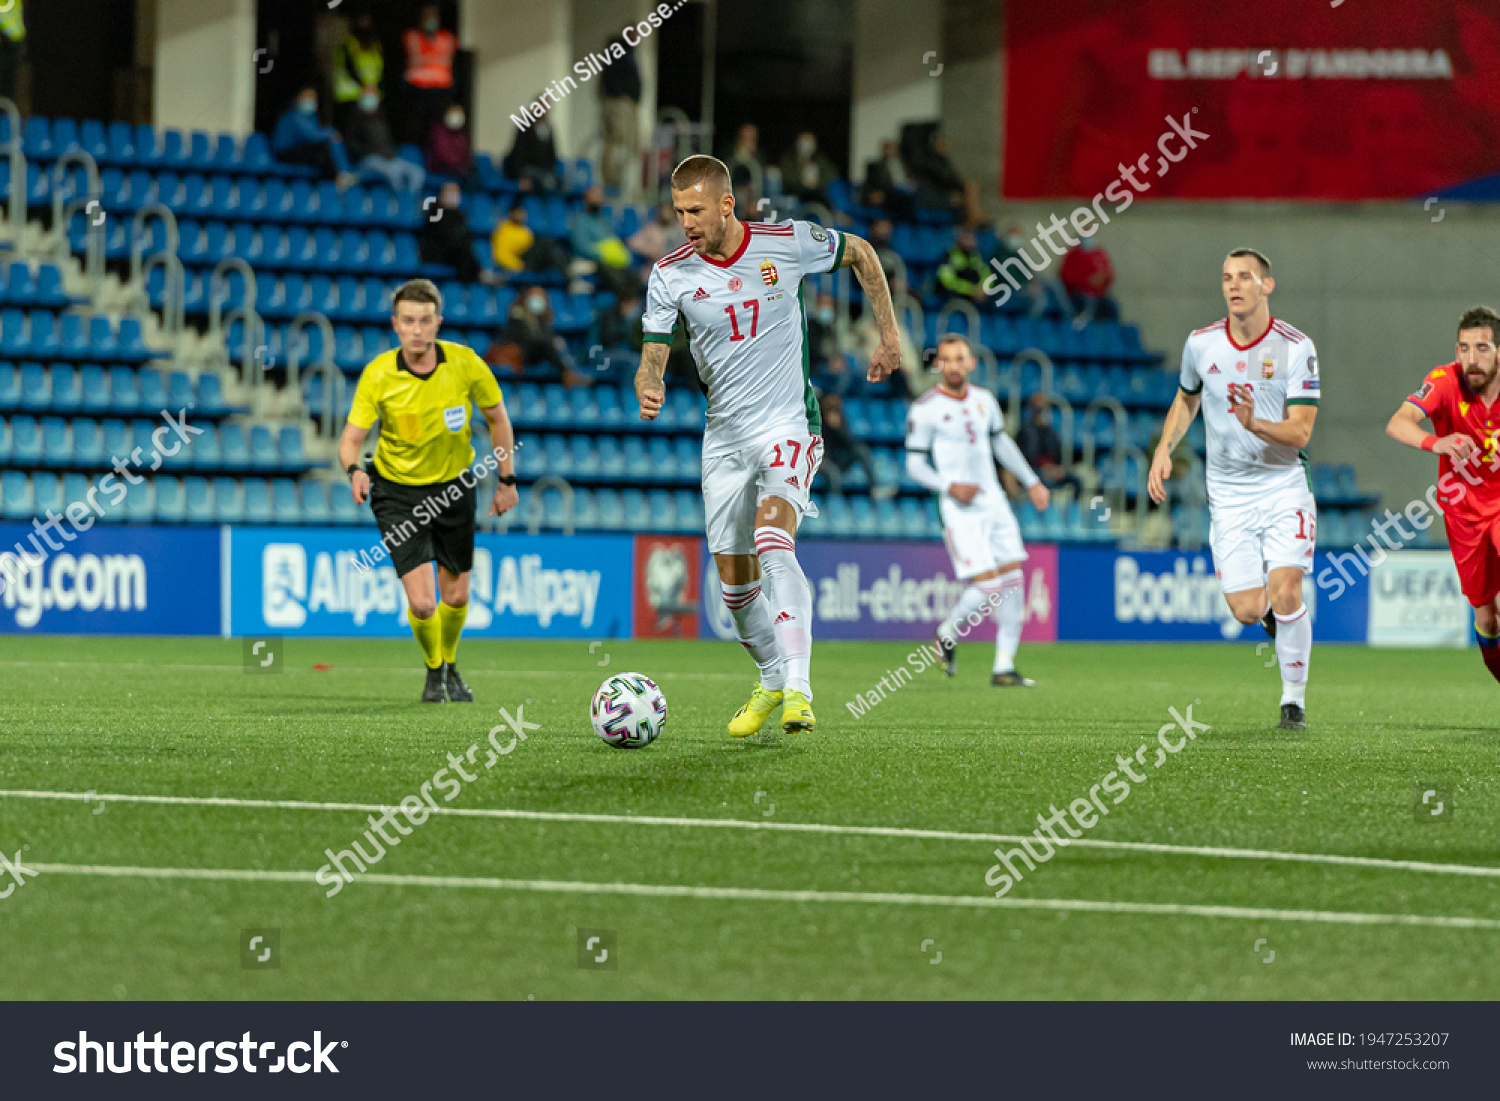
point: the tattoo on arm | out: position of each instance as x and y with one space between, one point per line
860 255
653 366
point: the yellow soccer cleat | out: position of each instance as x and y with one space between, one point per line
796 713
749 719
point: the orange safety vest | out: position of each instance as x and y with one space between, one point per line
429 60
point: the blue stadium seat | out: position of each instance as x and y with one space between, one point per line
180 391
25 441
10 387
315 506
140 503
610 459
584 460
258 508
289 451
637 516
116 437
557 456
211 401
663 511
286 507
205 452
57 445
20 290
200 505
636 464
153 391
344 510
262 448
36 387
67 394
609 512
15 495
839 517
531 460
121 138
102 342
662 459
46 493
171 500
88 444
233 448
15 340
229 501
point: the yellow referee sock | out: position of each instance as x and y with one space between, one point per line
451 625
427 632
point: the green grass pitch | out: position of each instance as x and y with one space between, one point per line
181 718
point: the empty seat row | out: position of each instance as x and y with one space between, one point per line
611 458
91 388
95 445
47 335
43 287
121 144
261 200
194 500
657 510
604 406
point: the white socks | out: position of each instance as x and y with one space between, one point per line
789 604
1294 651
971 602
753 626
1009 614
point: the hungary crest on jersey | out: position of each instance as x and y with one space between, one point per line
768 273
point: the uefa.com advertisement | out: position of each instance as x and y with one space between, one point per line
335 583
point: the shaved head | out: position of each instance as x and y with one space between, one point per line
699 169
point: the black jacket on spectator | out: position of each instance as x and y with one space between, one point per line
534 155
450 241
367 135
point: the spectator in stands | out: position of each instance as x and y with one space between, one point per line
838 377
658 236
12 48
594 239
909 382
842 452
822 335
1042 446
448 240
532 160
1007 247
890 259
925 151
888 185
746 172
620 89
1087 274
512 239
963 271
448 150
429 72
330 28
528 340
806 173
358 68
368 141
300 139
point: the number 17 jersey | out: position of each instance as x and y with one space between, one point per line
747 329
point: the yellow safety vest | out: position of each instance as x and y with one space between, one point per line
368 63
12 25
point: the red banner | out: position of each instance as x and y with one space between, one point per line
1281 99
666 586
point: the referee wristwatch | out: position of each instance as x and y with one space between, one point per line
351 469
507 479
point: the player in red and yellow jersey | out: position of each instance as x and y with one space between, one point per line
1460 400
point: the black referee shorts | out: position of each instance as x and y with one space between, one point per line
426 523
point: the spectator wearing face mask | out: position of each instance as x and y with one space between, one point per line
358 68
368 140
300 139
528 340
594 239
512 239
429 71
822 334
806 173
532 160
448 149
448 240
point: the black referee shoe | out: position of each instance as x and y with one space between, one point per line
1293 717
435 690
458 691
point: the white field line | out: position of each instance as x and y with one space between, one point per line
383 669
784 827
756 894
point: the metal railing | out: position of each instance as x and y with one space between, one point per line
174 288
295 338
1122 429
535 506
15 150
63 211
970 315
219 291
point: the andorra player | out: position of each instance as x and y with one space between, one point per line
1459 399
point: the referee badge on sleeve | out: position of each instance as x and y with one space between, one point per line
454 418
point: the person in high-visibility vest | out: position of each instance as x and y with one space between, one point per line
12 44
430 51
358 66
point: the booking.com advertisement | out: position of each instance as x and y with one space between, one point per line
59 580
321 582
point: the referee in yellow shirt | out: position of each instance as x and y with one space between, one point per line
421 485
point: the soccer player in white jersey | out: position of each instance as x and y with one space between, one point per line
738 286
1257 380
955 433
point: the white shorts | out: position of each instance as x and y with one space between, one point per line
982 541
735 484
1250 541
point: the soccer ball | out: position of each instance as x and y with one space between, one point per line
628 710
